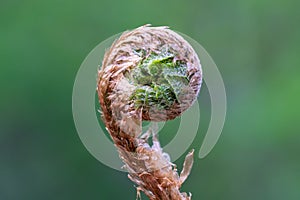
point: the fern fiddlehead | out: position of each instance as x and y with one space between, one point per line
150 73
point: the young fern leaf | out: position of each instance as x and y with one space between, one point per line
150 73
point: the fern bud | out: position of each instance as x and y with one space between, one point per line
151 71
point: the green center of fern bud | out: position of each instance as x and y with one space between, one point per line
160 81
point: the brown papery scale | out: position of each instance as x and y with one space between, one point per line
152 74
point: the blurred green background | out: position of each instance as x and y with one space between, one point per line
255 44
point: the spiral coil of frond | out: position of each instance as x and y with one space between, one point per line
150 73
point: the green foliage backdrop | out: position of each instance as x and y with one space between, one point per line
254 43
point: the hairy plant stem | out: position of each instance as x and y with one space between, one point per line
150 73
